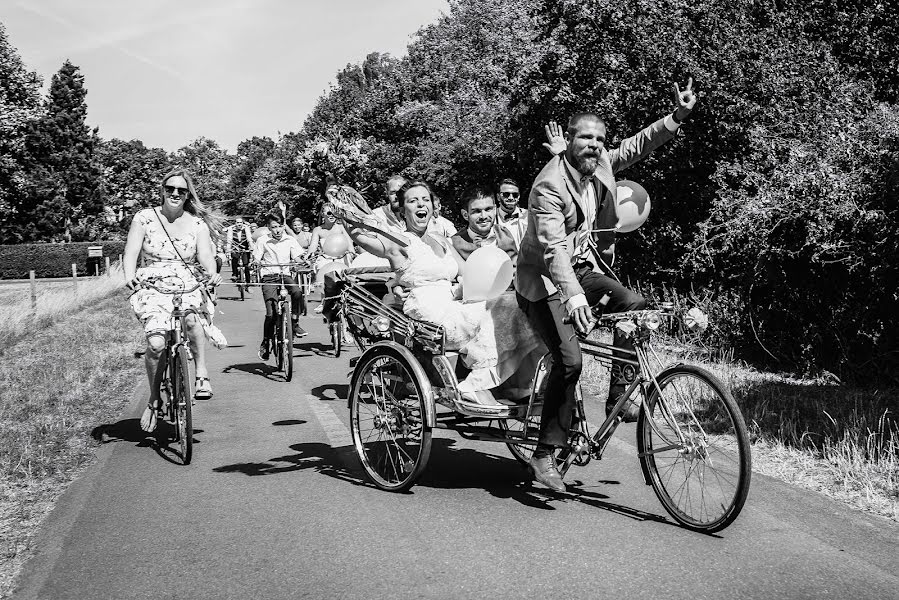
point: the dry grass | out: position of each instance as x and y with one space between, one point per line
74 371
55 300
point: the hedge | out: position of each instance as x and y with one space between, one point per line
53 260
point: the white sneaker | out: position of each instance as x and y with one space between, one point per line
318 309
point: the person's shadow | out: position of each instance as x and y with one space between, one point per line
128 430
260 369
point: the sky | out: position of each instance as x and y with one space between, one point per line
169 71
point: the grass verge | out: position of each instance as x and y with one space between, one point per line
58 381
54 301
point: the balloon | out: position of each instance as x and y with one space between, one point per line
329 268
488 273
633 205
335 246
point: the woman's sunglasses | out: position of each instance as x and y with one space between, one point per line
172 189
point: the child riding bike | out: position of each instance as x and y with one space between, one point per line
277 248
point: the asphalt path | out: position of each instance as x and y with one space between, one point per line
275 505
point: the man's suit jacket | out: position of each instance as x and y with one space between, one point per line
464 245
555 215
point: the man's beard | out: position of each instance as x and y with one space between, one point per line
586 165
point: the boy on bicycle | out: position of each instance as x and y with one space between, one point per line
277 248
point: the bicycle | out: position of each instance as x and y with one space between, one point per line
283 342
691 438
176 382
242 286
689 424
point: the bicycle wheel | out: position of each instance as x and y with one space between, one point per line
693 443
336 336
279 337
387 414
182 403
521 452
287 342
240 282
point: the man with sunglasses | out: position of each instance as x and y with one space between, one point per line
510 215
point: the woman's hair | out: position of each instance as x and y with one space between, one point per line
213 220
414 184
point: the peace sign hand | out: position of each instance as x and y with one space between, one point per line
684 100
555 141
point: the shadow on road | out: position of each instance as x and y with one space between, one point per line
289 422
330 391
333 462
316 348
256 368
449 468
128 430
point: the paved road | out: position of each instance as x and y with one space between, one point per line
275 506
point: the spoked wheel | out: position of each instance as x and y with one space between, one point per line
336 335
286 343
241 284
521 452
695 449
182 405
387 413
524 452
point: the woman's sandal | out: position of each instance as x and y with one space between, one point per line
203 389
148 419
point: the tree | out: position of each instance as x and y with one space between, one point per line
20 107
131 174
63 194
211 166
251 155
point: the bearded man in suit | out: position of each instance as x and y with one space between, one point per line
566 255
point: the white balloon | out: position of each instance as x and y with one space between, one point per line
487 274
633 205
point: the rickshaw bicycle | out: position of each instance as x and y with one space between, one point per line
691 438
176 383
282 345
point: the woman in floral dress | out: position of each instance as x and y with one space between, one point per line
172 241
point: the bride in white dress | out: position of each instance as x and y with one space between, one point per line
493 338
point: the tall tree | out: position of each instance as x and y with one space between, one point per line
131 173
20 107
64 193
211 166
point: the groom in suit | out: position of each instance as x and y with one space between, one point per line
566 255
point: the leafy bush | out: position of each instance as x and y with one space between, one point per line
51 260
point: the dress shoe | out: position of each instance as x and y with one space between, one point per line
546 472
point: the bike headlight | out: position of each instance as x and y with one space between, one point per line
650 321
382 324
